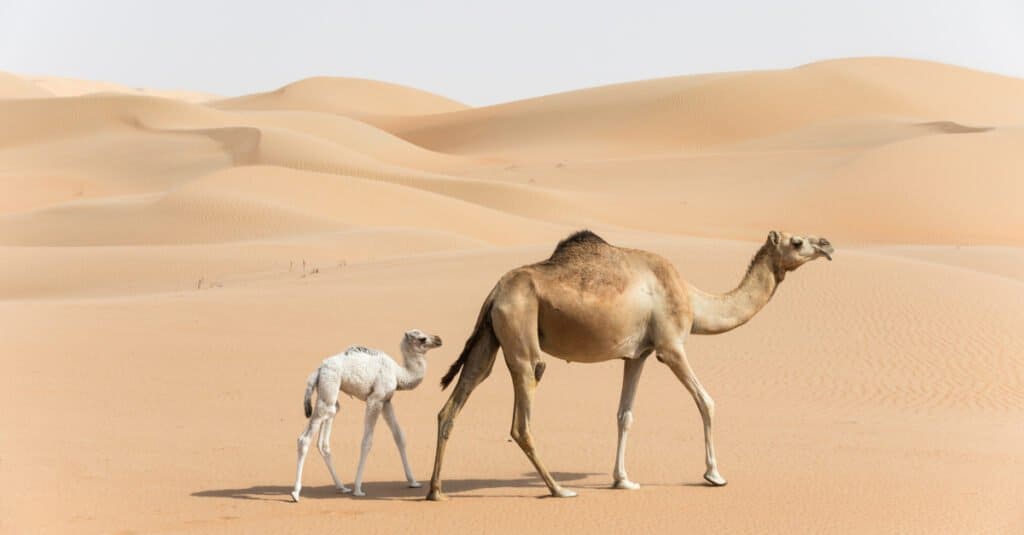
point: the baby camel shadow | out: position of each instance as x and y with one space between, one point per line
385 490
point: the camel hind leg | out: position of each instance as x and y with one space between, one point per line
320 422
516 327
324 445
525 383
477 367
314 424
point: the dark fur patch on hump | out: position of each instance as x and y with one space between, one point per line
361 349
588 263
580 240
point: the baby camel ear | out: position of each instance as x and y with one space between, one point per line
773 237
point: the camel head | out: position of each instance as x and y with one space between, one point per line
420 341
792 251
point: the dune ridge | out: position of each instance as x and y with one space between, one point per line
345 96
174 264
12 86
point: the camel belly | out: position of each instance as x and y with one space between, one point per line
582 331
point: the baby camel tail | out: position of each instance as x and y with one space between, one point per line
307 402
591 301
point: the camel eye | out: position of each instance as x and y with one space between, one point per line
797 242
422 339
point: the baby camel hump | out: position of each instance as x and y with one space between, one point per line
357 372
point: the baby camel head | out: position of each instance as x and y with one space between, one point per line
791 251
419 341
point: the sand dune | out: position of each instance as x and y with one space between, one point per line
353 135
1003 261
12 86
702 113
173 266
34 272
68 87
47 119
345 96
258 202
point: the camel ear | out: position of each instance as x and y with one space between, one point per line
773 237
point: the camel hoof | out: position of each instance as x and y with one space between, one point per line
358 492
563 493
715 479
436 495
295 496
343 489
415 484
625 484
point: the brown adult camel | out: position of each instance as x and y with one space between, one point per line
591 302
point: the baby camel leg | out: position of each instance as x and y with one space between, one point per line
324 445
373 408
303 446
396 432
630 379
675 358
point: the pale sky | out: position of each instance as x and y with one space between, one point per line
485 52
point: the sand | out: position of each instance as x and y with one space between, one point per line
173 265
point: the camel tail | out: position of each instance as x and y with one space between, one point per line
482 338
307 401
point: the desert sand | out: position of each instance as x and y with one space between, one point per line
174 264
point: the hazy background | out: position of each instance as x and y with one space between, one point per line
482 53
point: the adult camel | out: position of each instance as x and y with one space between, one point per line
591 302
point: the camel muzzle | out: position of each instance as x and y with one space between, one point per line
825 248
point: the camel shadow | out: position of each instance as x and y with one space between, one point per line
393 490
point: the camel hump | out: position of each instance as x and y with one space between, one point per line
582 240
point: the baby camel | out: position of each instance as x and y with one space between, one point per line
373 377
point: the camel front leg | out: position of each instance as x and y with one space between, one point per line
373 408
675 358
630 378
396 432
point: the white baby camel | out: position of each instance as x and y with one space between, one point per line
373 377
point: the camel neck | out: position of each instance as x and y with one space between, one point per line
714 313
414 367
